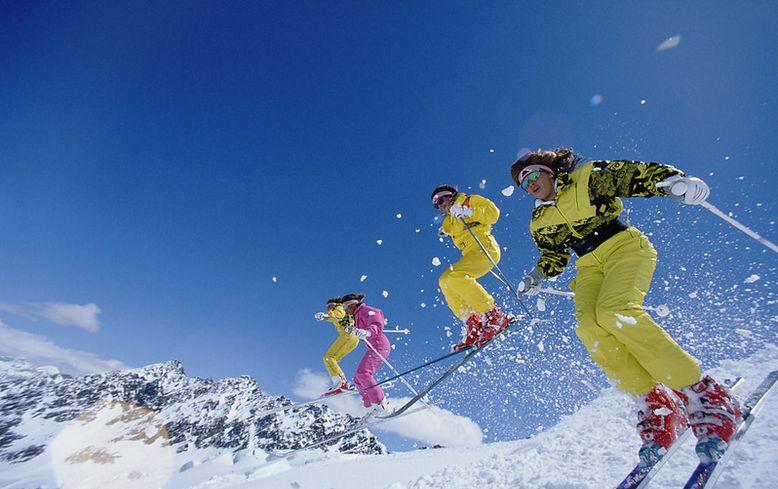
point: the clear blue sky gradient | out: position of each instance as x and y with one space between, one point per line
165 160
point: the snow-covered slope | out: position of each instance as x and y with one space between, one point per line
593 448
137 427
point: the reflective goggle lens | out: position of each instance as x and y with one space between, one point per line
530 178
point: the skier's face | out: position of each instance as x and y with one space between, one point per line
444 203
543 187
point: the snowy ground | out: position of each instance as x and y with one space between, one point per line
594 448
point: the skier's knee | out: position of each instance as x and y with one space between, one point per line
618 317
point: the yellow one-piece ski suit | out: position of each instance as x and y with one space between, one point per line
613 279
343 344
458 283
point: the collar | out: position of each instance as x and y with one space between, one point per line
540 203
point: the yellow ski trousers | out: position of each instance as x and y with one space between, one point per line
458 283
339 348
621 337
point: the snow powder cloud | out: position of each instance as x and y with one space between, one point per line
39 350
431 426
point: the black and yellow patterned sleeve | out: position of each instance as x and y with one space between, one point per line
553 259
625 178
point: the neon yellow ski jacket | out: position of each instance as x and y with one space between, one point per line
586 198
338 317
485 214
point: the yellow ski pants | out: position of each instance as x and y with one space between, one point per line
458 284
621 337
339 348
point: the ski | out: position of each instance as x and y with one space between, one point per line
359 426
641 475
475 351
288 407
384 383
707 473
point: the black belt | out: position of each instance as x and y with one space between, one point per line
598 237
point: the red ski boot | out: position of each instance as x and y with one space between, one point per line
496 321
471 331
341 385
660 421
714 415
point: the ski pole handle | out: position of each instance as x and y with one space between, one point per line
715 210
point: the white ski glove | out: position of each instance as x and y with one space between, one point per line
530 285
362 334
320 316
461 211
689 190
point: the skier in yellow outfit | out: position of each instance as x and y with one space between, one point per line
466 298
342 346
578 209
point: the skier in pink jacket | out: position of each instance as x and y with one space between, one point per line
369 327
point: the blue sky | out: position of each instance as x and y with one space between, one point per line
166 162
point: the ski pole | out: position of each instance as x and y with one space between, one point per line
501 275
661 310
398 331
679 189
742 227
402 379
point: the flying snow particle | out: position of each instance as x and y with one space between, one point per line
423 305
626 319
744 333
752 279
726 158
418 230
275 280
541 346
436 261
482 185
399 216
385 294
541 304
596 99
508 191
669 43
643 102
363 278
379 242
491 151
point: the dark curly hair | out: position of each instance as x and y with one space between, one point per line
561 160
353 297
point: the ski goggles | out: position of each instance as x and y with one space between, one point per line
532 173
437 199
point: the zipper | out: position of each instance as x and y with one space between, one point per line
569 224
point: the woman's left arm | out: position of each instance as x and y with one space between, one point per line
625 178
